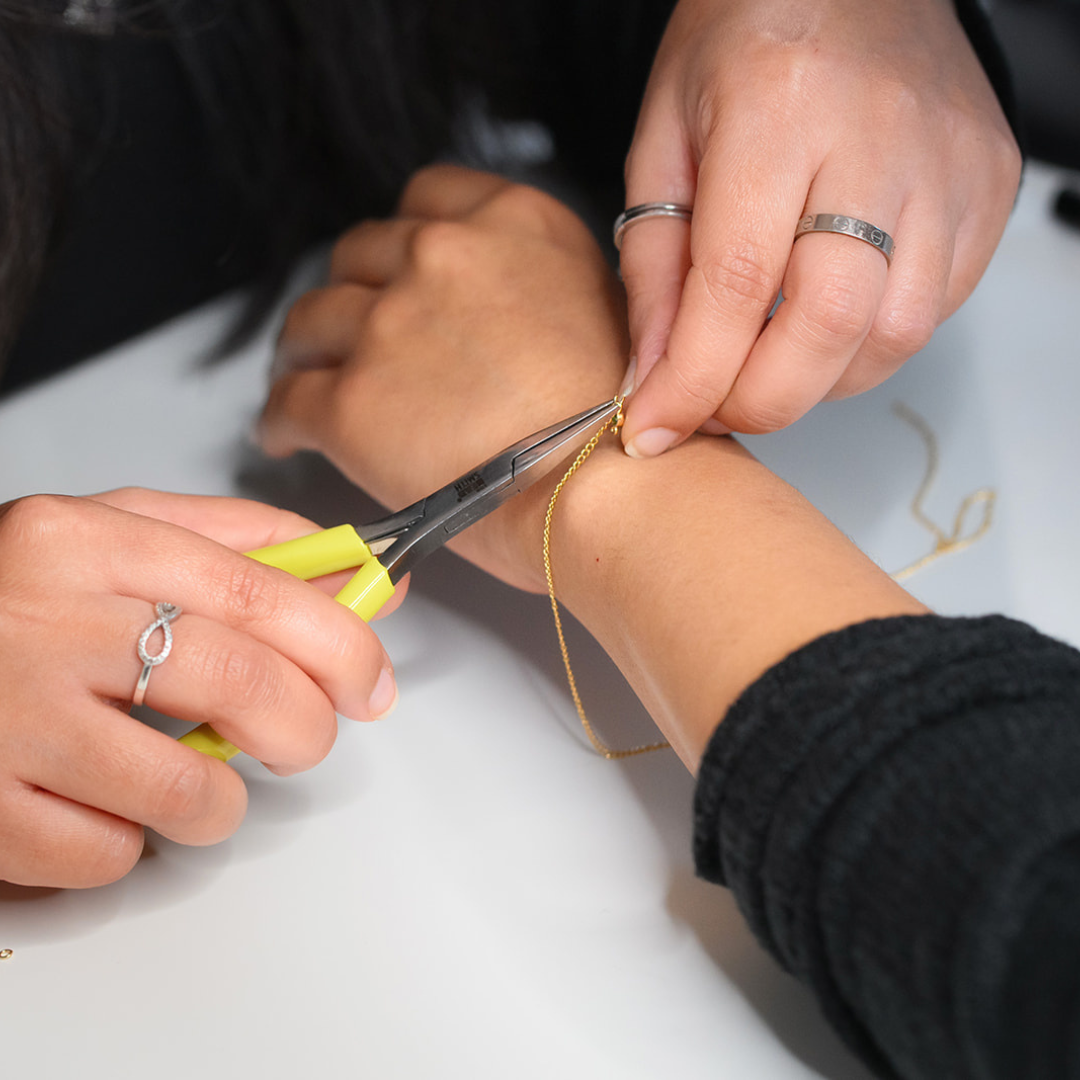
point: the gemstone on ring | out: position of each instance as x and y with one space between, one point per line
166 614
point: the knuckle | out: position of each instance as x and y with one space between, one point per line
742 277
903 332
127 496
419 183
182 790
837 309
63 854
759 416
1012 158
37 519
394 311
247 590
521 202
248 684
896 105
1007 162
708 111
341 252
245 682
438 246
693 381
346 648
520 198
351 647
112 858
301 313
782 71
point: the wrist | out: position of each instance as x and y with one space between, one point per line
510 543
698 571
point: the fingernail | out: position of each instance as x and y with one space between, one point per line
629 383
281 770
714 427
651 443
384 697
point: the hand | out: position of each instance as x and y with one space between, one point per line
486 311
483 312
756 113
263 657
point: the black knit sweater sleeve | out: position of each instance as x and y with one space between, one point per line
896 807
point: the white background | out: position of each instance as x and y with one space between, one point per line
465 890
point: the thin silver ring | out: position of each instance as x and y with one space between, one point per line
848 226
634 214
166 614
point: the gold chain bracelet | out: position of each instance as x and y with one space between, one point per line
597 743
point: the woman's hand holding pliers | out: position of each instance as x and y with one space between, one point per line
265 657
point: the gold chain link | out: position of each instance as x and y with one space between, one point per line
597 743
944 543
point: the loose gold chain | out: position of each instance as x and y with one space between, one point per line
597 743
944 543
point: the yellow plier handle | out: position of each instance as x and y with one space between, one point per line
321 553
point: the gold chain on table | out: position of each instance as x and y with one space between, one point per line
944 543
597 743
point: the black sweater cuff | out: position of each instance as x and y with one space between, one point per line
896 807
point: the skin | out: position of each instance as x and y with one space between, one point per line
756 113
265 658
697 570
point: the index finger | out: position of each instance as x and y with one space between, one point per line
745 213
241 524
153 561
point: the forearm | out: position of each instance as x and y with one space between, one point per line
699 571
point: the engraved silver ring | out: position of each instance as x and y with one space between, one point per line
848 226
633 214
166 614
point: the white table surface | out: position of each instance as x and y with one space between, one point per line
465 890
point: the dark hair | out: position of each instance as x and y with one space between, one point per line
316 110
34 155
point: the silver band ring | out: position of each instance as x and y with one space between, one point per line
848 226
634 214
166 614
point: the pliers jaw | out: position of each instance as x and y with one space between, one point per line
403 539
